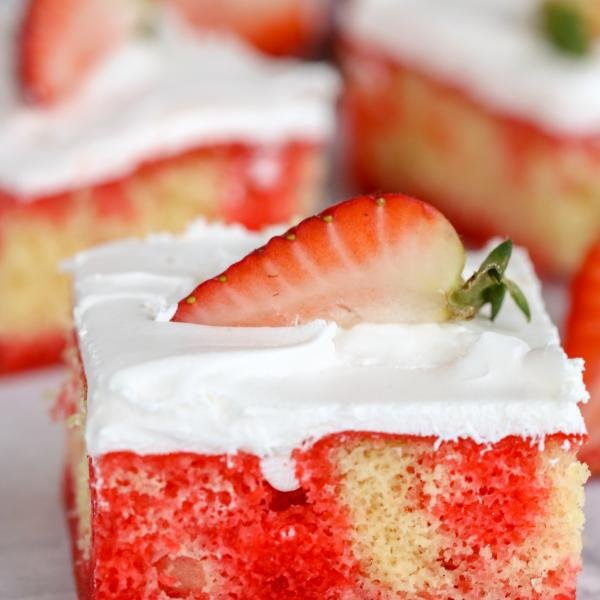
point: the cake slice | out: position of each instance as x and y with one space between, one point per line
332 416
157 131
470 106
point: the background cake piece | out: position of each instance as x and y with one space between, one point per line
274 26
582 339
467 105
165 129
424 459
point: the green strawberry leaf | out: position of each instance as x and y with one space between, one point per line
488 285
566 28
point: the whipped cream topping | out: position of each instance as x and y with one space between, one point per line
494 50
154 97
157 387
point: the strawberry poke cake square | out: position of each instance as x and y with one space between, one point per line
333 416
123 134
489 110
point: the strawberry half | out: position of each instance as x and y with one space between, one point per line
370 259
582 339
61 40
276 27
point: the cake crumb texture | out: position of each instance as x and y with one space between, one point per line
376 517
466 521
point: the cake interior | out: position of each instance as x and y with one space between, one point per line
375 516
253 185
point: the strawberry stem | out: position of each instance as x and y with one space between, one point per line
566 27
488 285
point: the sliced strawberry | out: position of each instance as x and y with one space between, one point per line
274 26
61 40
582 339
373 258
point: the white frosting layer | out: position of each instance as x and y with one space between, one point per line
493 49
158 387
152 98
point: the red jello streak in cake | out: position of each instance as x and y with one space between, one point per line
269 544
248 202
266 543
259 205
23 352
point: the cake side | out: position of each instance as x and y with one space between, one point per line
477 47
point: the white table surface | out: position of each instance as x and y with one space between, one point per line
34 550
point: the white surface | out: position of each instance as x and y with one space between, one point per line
492 49
153 98
157 387
35 561
34 549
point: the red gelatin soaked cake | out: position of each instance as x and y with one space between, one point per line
154 132
332 416
471 107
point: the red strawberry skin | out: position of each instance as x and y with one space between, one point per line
277 27
583 340
384 258
61 40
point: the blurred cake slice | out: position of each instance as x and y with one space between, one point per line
469 105
384 447
163 129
